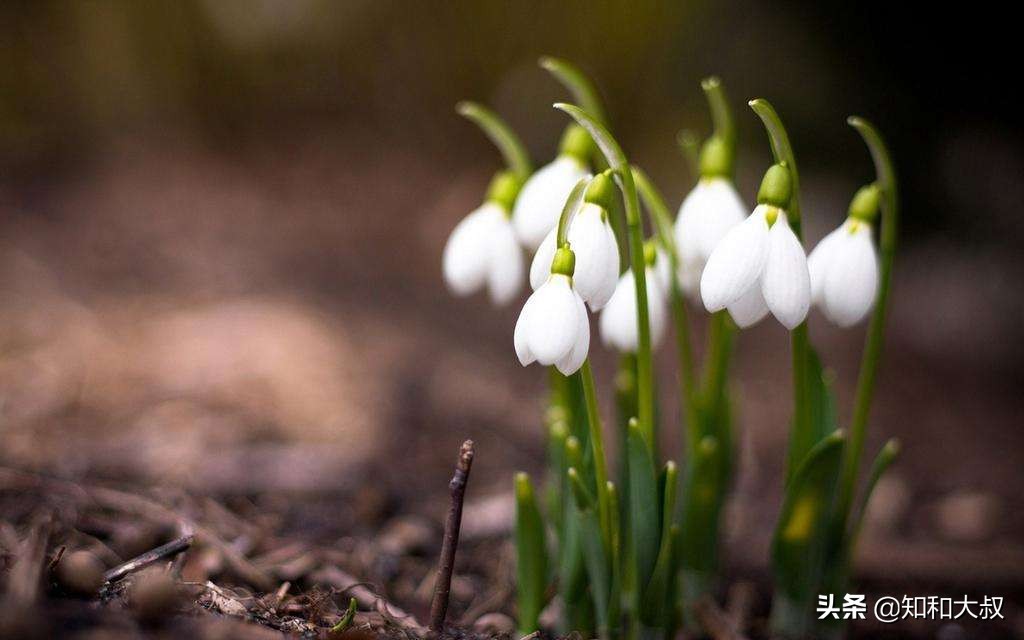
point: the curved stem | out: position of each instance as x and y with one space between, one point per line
597 442
624 176
662 221
571 205
689 144
721 115
579 85
886 180
782 150
511 147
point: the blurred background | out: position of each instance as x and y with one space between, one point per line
221 224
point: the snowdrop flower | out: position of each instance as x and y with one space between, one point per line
553 327
482 250
540 202
760 266
618 322
593 242
844 265
707 213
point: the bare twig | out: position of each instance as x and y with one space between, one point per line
142 561
368 599
450 544
714 621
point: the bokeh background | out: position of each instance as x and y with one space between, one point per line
221 224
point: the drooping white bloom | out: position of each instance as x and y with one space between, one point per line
706 215
541 199
597 256
618 319
844 273
482 251
553 327
758 267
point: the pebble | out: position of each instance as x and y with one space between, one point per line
494 624
80 572
968 516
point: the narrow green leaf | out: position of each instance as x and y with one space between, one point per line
508 143
702 498
655 604
799 543
595 553
645 534
531 556
821 410
882 462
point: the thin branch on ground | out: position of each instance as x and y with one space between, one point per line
450 544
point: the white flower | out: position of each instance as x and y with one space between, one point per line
597 256
541 199
706 215
483 251
618 319
757 268
553 327
844 273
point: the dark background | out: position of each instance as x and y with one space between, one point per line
221 226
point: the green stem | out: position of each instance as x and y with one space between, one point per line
662 221
721 114
571 205
689 144
511 147
783 152
719 351
886 180
579 85
597 442
624 176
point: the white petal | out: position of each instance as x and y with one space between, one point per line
657 307
588 238
465 260
722 210
689 277
571 363
820 261
786 283
852 280
736 263
610 279
540 268
618 319
506 263
750 308
553 324
519 337
663 272
541 199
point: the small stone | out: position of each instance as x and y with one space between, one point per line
968 516
494 624
888 504
80 572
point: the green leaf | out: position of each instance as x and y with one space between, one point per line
702 501
644 510
531 556
655 605
822 412
799 543
595 553
508 143
882 462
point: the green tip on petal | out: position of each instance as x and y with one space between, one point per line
866 203
776 187
601 191
564 262
504 189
